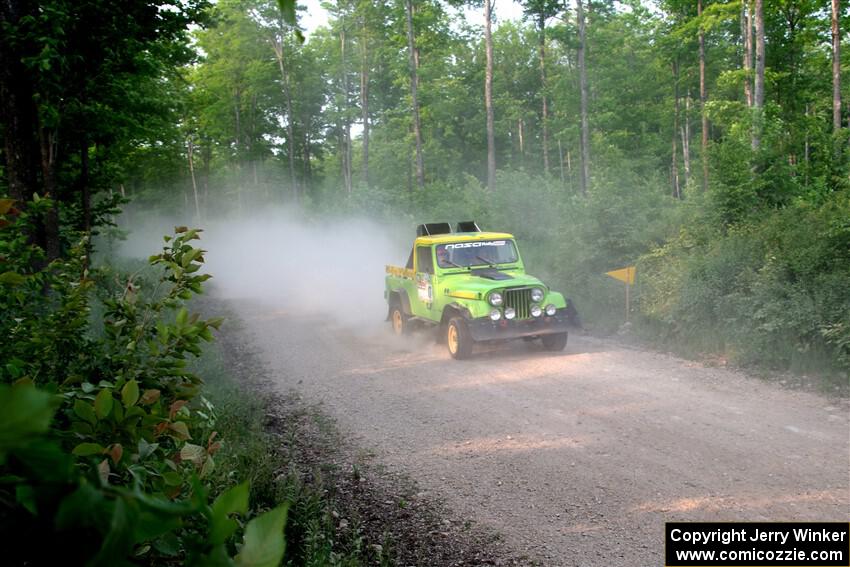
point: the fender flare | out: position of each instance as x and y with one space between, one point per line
454 308
403 299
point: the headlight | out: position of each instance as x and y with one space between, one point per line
550 310
495 299
510 313
495 315
536 311
536 294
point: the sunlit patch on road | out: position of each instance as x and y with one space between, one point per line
513 444
745 503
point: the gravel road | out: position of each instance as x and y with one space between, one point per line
576 458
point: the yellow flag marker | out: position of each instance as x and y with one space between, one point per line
627 276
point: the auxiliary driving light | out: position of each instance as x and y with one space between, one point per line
550 310
536 311
536 294
495 299
495 315
510 313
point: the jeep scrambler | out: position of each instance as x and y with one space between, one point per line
473 285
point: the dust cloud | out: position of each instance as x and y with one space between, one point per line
289 264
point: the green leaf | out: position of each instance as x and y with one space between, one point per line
12 278
87 449
25 413
180 429
103 403
130 393
232 501
182 315
264 542
146 449
84 507
192 453
119 539
25 495
216 558
85 411
172 478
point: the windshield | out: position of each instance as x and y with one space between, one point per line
478 253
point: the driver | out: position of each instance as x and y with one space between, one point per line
442 256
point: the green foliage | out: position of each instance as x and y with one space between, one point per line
770 291
108 441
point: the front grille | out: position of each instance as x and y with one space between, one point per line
520 300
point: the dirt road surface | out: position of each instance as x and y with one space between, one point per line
576 458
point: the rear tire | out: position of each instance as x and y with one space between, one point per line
555 342
399 320
458 339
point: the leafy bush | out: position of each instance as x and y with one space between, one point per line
771 292
106 442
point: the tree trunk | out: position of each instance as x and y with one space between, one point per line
236 106
190 154
836 69
308 165
541 24
521 138
674 165
703 98
346 125
364 99
85 189
758 91
686 139
584 173
747 41
561 161
488 95
206 160
414 85
50 239
277 45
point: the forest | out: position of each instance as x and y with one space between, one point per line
706 142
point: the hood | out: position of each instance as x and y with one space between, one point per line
480 284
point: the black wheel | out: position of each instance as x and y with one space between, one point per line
556 341
399 320
458 339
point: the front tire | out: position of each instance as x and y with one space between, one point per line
458 339
399 320
555 342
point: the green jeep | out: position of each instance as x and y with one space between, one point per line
473 285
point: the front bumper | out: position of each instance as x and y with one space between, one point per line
483 329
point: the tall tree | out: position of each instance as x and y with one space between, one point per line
836 68
758 89
414 95
278 40
345 126
364 85
540 11
747 44
488 95
703 97
674 167
584 177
